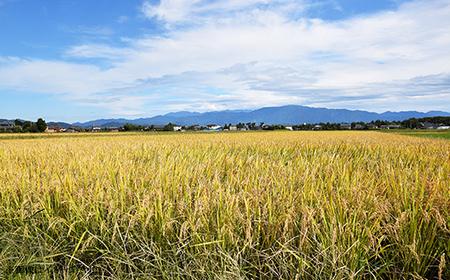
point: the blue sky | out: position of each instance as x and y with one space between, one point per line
78 60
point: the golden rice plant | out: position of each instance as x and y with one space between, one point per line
246 205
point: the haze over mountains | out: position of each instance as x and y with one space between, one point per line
291 114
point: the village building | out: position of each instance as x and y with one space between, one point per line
177 128
73 129
53 128
96 128
7 125
213 127
288 126
394 126
346 126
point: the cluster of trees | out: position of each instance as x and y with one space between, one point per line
133 127
27 126
416 123
354 125
273 127
412 123
249 125
168 127
331 126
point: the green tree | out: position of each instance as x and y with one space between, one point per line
129 127
169 127
26 125
18 122
33 128
41 125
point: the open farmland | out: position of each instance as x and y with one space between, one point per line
428 133
251 205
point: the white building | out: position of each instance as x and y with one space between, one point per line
213 127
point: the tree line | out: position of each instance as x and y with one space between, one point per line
411 123
28 126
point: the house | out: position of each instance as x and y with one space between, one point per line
96 128
393 126
6 125
53 128
233 128
372 126
346 126
358 126
288 126
429 125
177 128
443 127
50 129
317 127
73 128
213 127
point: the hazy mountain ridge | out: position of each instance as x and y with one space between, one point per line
290 114
60 124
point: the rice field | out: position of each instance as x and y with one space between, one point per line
428 133
245 205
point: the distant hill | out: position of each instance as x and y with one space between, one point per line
60 124
101 122
291 114
182 114
112 124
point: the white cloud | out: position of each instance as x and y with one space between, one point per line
98 51
50 77
123 19
235 54
354 49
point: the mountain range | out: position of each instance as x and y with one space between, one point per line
290 114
